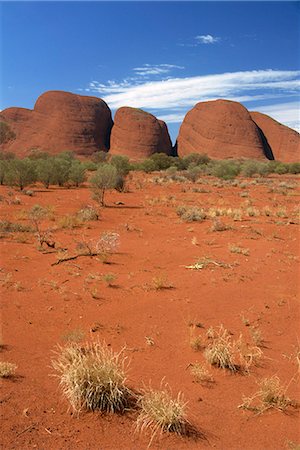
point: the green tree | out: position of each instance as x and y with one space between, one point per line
61 170
21 172
77 173
45 171
121 163
105 178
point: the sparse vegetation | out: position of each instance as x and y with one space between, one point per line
270 395
160 412
93 377
7 369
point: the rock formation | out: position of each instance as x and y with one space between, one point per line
284 141
138 134
60 121
222 129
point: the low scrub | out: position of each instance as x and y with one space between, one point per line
271 394
160 412
93 377
191 213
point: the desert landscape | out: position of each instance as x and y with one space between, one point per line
176 261
149 225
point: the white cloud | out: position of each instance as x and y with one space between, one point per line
155 69
171 98
207 39
185 92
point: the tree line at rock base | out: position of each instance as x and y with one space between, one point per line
109 172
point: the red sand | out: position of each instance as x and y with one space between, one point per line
41 304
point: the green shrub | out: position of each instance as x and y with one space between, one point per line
227 170
46 171
294 167
6 134
148 165
121 163
161 160
21 172
105 178
61 170
197 159
77 173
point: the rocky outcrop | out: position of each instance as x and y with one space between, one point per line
138 134
284 141
222 129
60 121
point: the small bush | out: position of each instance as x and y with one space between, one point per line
220 351
161 412
93 377
227 170
87 213
105 178
161 161
121 163
191 213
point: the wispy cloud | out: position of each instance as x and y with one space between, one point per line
207 39
185 92
155 69
170 99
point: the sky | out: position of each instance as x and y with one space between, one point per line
163 57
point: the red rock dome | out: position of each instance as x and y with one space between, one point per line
138 134
222 129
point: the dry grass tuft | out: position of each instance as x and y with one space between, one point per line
161 412
270 395
201 374
7 370
220 351
93 377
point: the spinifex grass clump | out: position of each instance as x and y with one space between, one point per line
161 412
270 395
220 351
93 377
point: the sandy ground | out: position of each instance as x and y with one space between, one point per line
43 305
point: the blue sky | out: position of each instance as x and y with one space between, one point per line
163 57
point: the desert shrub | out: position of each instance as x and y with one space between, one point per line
6 133
191 213
108 243
105 178
196 159
93 377
61 170
90 166
70 221
36 215
46 171
227 170
178 162
7 369
21 172
121 163
99 157
109 278
77 173
148 165
4 165
294 168
37 154
193 173
11 227
87 213
249 168
160 412
161 160
281 169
